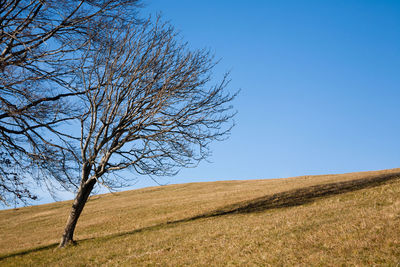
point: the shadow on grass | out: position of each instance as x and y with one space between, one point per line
27 251
301 196
295 197
285 199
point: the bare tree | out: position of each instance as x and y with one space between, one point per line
150 109
41 43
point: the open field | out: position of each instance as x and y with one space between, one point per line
351 219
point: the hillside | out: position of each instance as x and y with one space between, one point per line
310 220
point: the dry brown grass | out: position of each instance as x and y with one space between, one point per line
311 220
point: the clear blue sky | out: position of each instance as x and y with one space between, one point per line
320 84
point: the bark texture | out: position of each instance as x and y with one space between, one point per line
76 210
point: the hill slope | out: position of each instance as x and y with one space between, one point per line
328 219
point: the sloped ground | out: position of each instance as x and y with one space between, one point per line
318 220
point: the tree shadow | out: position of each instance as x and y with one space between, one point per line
295 197
301 196
285 199
27 251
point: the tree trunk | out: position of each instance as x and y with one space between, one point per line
77 207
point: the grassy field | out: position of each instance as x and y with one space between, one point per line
326 220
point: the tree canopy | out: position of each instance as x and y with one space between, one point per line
41 43
87 90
